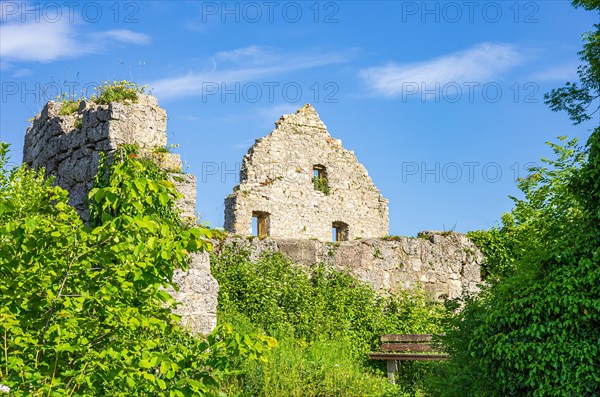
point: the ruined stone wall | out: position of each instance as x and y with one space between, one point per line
445 264
277 178
69 146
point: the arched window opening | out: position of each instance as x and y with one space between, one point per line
339 231
260 224
320 178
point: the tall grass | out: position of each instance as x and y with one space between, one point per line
325 322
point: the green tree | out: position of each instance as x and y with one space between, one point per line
536 332
83 310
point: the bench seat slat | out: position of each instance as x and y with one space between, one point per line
406 347
406 338
407 356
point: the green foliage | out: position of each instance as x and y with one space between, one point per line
577 100
127 184
537 331
117 91
543 222
84 311
497 247
321 185
529 338
322 318
321 368
580 99
68 107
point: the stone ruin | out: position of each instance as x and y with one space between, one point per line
445 264
299 182
69 146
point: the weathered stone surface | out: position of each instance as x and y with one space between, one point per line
69 147
276 178
444 263
198 291
186 186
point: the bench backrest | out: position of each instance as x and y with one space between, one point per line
407 343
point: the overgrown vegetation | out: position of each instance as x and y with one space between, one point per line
83 310
321 185
536 330
117 91
326 322
68 106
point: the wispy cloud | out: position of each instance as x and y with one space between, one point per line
243 65
252 54
41 42
22 73
276 111
123 36
46 42
482 62
562 73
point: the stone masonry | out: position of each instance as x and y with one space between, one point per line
446 264
298 182
278 187
69 146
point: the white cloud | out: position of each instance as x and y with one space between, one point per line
123 36
480 63
249 54
46 41
562 73
22 73
239 66
41 42
273 113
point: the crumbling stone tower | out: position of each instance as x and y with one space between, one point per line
68 146
299 182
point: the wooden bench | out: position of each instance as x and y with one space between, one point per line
406 347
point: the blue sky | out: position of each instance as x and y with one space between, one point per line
441 101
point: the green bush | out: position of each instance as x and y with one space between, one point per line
543 223
84 311
326 322
117 91
536 331
68 107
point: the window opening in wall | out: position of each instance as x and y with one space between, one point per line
260 224
339 231
320 178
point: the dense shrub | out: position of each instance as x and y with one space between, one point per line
326 322
536 330
83 310
117 91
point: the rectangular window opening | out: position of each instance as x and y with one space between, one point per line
339 231
260 224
